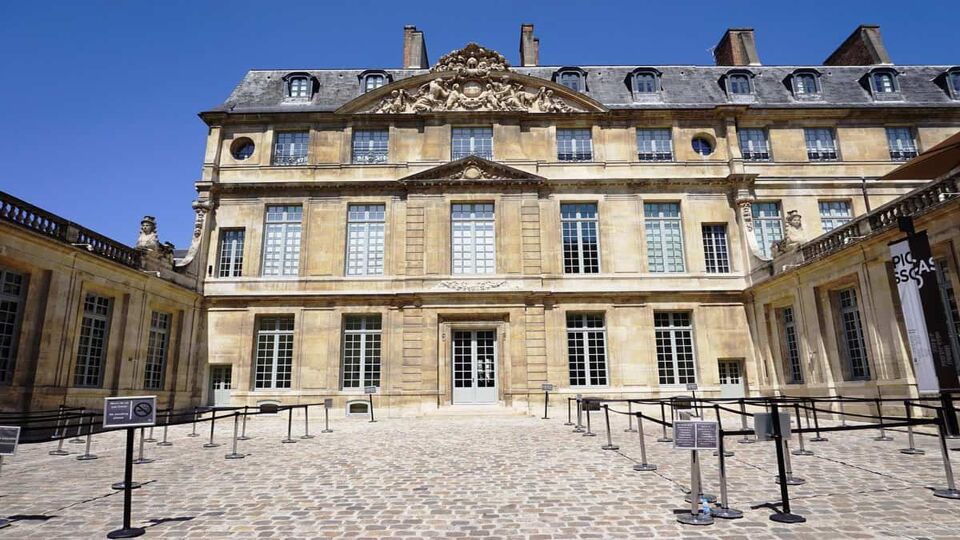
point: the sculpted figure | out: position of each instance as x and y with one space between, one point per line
454 97
508 96
395 103
793 234
148 234
488 98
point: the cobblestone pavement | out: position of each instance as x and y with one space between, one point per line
468 477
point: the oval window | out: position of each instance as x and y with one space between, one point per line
702 146
242 148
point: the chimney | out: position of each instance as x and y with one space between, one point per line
529 46
736 48
414 49
864 47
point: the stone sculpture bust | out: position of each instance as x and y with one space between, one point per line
148 234
793 234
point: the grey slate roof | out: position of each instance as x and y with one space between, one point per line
683 87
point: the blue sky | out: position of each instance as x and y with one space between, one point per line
98 99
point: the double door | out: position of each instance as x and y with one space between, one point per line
474 366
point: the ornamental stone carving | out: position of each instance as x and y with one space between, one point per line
148 239
473 79
471 286
793 235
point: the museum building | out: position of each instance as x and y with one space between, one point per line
459 233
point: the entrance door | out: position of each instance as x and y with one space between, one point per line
731 378
474 366
220 385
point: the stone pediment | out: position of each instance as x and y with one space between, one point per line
472 79
471 169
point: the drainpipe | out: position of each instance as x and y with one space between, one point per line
863 188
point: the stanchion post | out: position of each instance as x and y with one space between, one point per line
785 515
56 431
724 512
716 410
629 417
589 433
194 432
546 403
569 418
140 459
801 451
59 451
127 531
643 466
609 445
951 490
150 436
243 426
883 435
326 416
236 424
213 420
695 517
372 419
306 423
579 427
76 437
743 423
843 415
87 456
166 427
816 424
289 439
911 449
663 423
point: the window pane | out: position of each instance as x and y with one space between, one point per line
365 235
805 84
472 141
901 143
794 371
372 82
92 349
654 145
767 225
361 351
645 83
738 84
571 80
821 144
586 349
231 253
274 362
674 344
290 148
833 214
581 242
281 252
574 145
370 145
855 348
473 242
664 237
753 144
11 301
715 249
156 364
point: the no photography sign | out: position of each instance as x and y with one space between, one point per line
135 411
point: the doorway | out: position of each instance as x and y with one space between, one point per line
732 383
474 366
220 384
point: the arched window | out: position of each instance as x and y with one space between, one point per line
571 78
373 81
645 82
884 82
738 84
298 87
805 84
953 81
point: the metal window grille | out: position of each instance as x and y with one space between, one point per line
821 144
753 144
586 349
281 253
274 365
574 145
855 348
645 83
664 237
654 145
11 303
572 80
365 235
230 263
805 84
472 141
361 351
949 296
299 87
767 225
738 84
370 145
676 363
791 347
834 214
157 344
372 82
715 249
581 240
473 242
92 350
290 148
901 143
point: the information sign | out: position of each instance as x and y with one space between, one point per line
129 411
369 389
546 387
591 404
763 425
682 403
9 437
328 403
689 435
692 387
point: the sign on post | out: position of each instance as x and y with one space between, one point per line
328 403
369 389
690 435
546 387
682 403
129 411
591 404
9 437
692 387
763 425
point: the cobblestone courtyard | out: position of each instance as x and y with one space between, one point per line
467 477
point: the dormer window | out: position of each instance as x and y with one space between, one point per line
953 82
299 86
645 83
572 78
883 83
806 84
371 80
738 84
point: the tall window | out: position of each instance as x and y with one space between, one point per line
821 144
365 231
581 241
645 82
230 263
92 351
852 342
370 145
767 225
790 347
291 148
664 237
298 87
274 353
157 345
572 80
753 144
11 301
373 81
674 340
574 145
281 252
805 85
715 248
834 214
901 143
654 145
586 349
472 141
361 351
738 84
472 238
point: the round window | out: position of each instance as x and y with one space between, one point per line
702 146
241 149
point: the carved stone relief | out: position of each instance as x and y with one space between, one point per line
471 286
